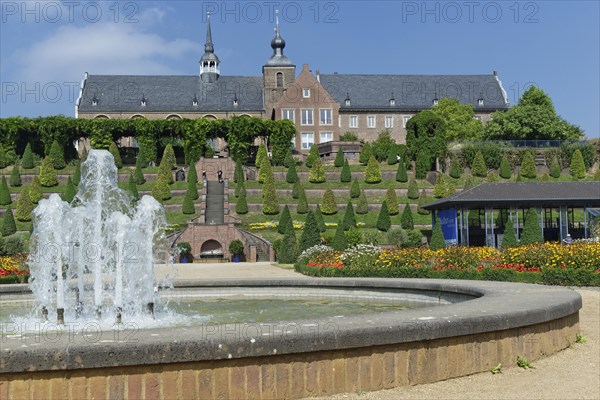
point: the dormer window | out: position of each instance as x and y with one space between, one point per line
95 101
195 101
143 102
436 101
392 100
235 101
306 93
347 102
480 101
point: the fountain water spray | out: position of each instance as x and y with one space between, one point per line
96 256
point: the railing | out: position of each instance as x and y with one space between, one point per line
260 243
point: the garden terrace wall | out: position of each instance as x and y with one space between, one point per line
358 353
335 175
257 207
338 192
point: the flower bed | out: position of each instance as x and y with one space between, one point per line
549 263
13 269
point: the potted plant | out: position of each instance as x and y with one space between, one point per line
236 248
185 252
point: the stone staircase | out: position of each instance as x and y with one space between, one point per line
215 203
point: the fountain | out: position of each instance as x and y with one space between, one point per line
95 257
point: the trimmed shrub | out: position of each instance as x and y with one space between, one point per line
57 155
392 202
406 219
532 231
239 188
329 203
528 169
397 237
422 201
346 174
355 189
4 157
372 172
169 154
24 206
48 173
138 175
35 191
284 219
577 166
555 168
310 235
296 189
413 189
15 177
161 190
505 171
509 239
164 170
114 150
241 206
320 219
455 169
545 177
132 188
401 175
383 220
365 153
261 154
5 198
270 202
479 168
437 236
313 155
238 174
597 174
192 188
317 172
423 164
27 160
193 174
339 239
265 170
362 207
468 182
302 202
77 174
439 190
339 158
70 191
354 237
349 221
291 176
188 204
287 253
492 177
9 225
289 159
392 155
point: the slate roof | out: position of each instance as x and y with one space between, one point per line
413 92
524 195
164 93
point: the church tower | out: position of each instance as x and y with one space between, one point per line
278 73
209 63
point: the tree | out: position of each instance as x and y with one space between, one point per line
161 190
70 191
320 219
533 118
528 169
349 221
505 171
287 253
392 156
406 219
437 236
310 235
291 175
455 169
4 159
24 206
261 154
392 202
413 189
296 189
313 155
35 191
425 134
577 166
289 159
47 173
138 175
381 146
9 226
423 164
365 154
362 207
317 172
188 204
114 150
555 168
329 203
346 175
339 158
372 172
284 219
401 175
241 206
355 189
5 198
383 220
532 230
478 168
422 202
77 174
15 176
339 239
270 202
439 190
57 155
27 161
510 238
459 120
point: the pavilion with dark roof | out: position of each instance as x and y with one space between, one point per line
477 216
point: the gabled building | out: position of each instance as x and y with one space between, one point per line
323 106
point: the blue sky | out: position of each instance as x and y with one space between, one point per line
46 46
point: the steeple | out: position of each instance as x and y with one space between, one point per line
278 44
209 63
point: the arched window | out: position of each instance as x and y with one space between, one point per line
279 80
137 116
173 116
101 117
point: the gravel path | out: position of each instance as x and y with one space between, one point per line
571 374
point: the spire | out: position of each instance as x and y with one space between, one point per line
278 44
209 63
208 46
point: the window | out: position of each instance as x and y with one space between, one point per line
326 114
288 113
279 80
325 137
307 116
308 140
371 121
293 143
405 119
353 121
389 121
480 102
306 93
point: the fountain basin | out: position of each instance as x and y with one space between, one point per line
294 359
